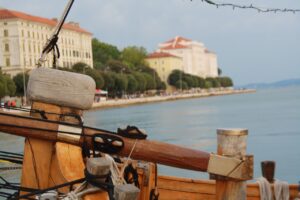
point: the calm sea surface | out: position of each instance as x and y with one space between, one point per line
272 117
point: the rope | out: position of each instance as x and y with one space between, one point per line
281 189
51 44
126 162
80 191
116 175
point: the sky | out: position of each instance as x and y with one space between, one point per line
251 47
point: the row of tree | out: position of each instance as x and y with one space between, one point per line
12 87
119 79
119 72
184 81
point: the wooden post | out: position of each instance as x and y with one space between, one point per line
47 163
231 143
268 170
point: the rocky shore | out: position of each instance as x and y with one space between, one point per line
141 100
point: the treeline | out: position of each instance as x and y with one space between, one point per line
12 87
7 85
120 72
185 81
119 79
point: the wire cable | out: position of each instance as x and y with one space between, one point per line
251 6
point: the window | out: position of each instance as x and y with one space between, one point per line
6 47
28 34
22 33
5 23
29 47
5 33
7 61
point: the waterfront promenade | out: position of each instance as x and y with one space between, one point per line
176 96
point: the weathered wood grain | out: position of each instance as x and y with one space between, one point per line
61 88
231 143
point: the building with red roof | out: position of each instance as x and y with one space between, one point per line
164 63
196 58
23 36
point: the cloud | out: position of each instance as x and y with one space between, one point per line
244 40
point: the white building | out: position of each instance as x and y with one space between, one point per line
197 60
22 37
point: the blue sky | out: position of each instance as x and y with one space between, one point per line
251 47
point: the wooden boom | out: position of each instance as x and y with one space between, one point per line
153 151
147 150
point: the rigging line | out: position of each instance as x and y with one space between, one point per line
53 122
51 43
17 154
126 162
258 9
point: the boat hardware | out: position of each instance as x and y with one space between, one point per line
110 144
132 132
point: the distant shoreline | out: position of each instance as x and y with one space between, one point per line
143 100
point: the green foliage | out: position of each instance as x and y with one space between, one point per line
190 81
109 81
117 66
121 83
96 75
2 89
225 81
214 82
150 82
142 83
162 86
19 82
181 85
174 77
193 81
134 56
103 52
80 67
132 84
201 82
219 71
130 62
7 86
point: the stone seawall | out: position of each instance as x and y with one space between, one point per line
152 99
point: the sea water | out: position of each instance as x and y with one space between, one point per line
272 117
